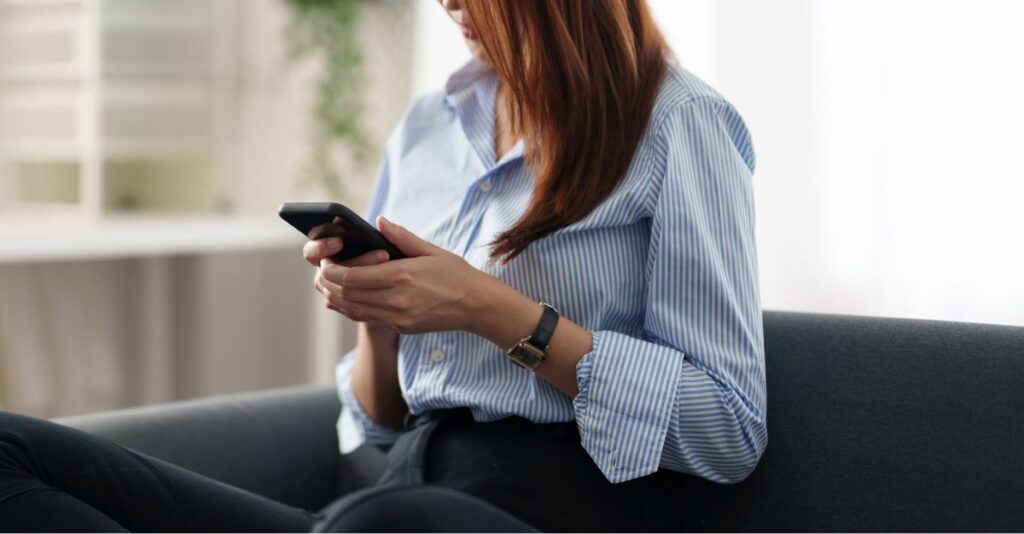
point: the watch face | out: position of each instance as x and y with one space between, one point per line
526 354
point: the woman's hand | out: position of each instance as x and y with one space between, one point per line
317 252
432 290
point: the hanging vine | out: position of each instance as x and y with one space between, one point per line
327 31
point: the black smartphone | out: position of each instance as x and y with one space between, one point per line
317 220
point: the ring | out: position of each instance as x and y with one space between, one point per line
343 277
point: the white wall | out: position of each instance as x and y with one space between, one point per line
438 48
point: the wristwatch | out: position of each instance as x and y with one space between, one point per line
530 351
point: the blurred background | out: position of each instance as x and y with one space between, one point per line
146 144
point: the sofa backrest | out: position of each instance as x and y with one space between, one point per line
881 424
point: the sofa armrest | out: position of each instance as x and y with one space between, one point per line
280 443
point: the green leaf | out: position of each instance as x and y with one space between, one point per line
326 30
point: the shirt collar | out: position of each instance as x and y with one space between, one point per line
464 78
470 93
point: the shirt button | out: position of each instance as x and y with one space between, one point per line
485 185
436 355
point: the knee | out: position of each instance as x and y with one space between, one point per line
14 425
20 436
12 441
415 509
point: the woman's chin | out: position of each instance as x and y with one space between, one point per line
477 51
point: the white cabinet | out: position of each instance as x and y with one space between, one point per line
110 106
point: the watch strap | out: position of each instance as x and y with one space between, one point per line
545 327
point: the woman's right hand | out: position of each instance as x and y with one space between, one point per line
317 251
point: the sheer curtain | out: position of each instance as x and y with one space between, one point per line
888 135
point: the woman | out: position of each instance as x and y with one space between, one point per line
576 327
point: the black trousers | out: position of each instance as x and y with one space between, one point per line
55 478
539 473
510 475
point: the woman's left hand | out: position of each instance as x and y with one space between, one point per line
432 290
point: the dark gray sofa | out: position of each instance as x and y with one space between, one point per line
874 425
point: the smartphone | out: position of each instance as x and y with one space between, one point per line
317 220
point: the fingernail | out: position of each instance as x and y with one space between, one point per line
382 256
385 222
334 242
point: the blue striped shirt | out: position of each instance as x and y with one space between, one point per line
663 272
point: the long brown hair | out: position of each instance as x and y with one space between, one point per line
582 77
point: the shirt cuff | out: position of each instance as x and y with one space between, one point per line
355 427
623 409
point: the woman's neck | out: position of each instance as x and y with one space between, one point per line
504 137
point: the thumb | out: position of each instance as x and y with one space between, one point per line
409 243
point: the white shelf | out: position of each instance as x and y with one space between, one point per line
73 72
33 211
100 82
114 150
136 236
57 72
59 151
154 149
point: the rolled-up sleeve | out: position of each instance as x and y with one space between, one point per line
355 427
688 396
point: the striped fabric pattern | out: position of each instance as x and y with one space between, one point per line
663 272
